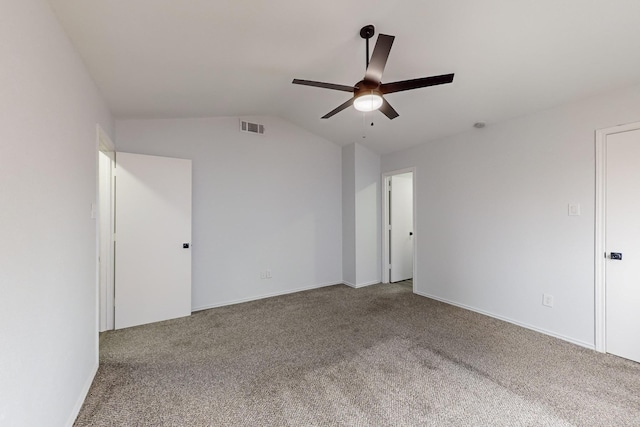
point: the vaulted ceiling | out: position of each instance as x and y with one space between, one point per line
198 58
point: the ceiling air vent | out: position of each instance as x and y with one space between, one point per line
251 127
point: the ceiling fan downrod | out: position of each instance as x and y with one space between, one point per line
366 33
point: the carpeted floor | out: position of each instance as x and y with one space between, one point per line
337 356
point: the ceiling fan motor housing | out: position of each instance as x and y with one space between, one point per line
366 87
367 96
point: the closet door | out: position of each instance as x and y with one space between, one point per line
152 239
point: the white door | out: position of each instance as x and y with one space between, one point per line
152 224
401 233
622 233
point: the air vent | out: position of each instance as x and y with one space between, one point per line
251 127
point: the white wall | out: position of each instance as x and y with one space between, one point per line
492 223
361 216
368 213
349 214
260 202
49 108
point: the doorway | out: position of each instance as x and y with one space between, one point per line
617 240
399 226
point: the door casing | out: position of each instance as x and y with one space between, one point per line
104 234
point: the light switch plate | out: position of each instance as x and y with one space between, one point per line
574 209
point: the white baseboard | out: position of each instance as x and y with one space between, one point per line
262 296
83 396
506 319
361 285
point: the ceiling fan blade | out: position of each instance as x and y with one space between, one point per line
379 58
338 109
388 110
323 85
416 83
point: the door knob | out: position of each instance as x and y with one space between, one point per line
411 233
616 255
185 246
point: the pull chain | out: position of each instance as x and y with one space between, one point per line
364 125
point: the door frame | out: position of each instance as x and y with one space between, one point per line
105 299
386 246
600 230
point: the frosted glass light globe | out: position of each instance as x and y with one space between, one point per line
368 102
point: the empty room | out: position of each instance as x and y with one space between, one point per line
365 213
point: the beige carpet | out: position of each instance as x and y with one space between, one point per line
376 356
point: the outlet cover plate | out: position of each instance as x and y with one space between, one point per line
574 209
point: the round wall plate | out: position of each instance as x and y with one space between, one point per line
367 31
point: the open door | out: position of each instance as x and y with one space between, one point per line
622 243
399 227
152 239
401 236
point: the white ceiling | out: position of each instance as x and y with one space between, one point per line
197 58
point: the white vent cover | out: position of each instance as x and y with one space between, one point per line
251 127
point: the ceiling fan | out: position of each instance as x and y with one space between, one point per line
368 92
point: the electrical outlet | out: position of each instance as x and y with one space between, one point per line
547 300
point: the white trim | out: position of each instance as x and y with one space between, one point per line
259 297
508 320
599 260
385 221
105 145
600 230
83 395
361 285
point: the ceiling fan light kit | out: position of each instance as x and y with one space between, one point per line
368 102
368 93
